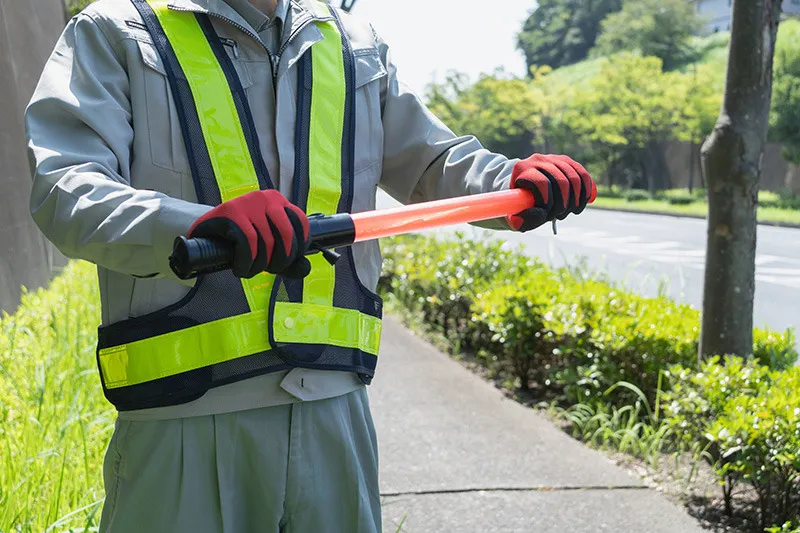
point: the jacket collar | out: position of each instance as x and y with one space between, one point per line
316 9
302 11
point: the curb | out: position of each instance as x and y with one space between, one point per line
789 225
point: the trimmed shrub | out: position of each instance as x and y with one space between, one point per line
777 351
440 280
604 191
789 200
680 197
637 195
758 441
768 199
554 330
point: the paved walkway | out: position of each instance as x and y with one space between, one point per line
457 456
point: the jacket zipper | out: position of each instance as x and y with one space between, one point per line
297 30
274 59
277 58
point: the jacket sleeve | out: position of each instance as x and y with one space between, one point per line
79 132
423 159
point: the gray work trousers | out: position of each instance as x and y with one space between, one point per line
308 467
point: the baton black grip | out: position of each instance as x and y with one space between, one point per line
192 257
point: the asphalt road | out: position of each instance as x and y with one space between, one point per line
649 253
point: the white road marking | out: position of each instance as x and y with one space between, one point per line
783 271
764 259
780 270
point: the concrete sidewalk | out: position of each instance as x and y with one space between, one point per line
457 456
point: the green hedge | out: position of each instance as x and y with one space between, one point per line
746 419
607 354
558 332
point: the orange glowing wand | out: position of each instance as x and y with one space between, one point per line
192 257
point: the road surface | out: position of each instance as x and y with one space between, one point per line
649 253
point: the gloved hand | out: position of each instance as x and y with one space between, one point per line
268 234
560 186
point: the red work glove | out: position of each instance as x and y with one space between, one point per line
268 233
560 186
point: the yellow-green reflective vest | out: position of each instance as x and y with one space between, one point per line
227 329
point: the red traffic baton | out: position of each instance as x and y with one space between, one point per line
192 257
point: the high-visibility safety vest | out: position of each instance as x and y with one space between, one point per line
227 329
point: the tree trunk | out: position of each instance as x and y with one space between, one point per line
732 156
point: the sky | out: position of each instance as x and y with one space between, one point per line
430 37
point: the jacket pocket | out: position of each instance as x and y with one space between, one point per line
167 148
369 66
370 74
369 70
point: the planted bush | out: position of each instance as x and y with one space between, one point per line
768 199
577 336
680 197
777 351
440 280
605 191
758 438
789 199
696 399
518 338
637 195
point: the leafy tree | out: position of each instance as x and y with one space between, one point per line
620 119
561 32
615 122
504 113
785 114
702 97
623 116
660 28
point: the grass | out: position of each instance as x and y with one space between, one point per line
765 214
54 421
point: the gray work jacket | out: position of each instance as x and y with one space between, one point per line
112 183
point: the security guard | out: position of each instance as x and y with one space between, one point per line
242 394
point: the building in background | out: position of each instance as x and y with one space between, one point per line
718 12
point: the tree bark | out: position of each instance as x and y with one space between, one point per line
732 159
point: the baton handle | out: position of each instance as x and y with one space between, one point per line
192 257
